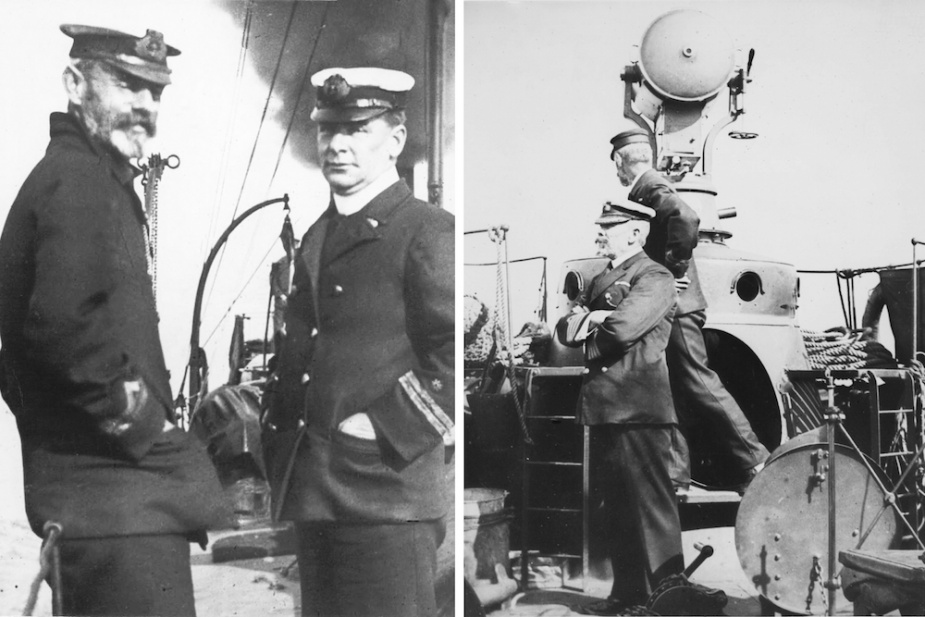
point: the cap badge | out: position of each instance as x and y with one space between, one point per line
151 47
334 90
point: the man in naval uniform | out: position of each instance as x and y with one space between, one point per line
366 367
623 321
81 365
699 394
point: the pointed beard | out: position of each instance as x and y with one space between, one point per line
126 133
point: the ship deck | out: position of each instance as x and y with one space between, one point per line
721 571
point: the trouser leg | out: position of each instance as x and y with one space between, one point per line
644 528
368 570
129 575
679 463
703 398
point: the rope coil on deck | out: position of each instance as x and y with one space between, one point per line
836 350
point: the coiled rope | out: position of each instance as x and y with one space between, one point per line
835 350
502 326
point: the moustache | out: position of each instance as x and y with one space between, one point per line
603 248
127 122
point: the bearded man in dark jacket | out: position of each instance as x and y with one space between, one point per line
82 365
623 321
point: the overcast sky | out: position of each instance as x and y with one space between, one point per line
832 181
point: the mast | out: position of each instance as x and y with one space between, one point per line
437 11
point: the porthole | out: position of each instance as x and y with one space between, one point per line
574 285
747 286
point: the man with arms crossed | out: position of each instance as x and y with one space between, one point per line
623 320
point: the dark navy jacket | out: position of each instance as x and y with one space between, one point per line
673 235
370 329
626 376
77 320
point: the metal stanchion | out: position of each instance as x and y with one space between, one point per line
915 300
833 418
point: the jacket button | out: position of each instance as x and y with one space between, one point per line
603 369
305 378
338 290
314 332
586 371
293 289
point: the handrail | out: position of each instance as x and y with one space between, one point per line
196 352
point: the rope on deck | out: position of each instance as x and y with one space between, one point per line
835 350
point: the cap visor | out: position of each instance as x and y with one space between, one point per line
351 114
157 76
610 220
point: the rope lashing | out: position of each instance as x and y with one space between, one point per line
49 569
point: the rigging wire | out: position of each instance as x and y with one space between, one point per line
295 108
841 298
305 76
240 293
513 261
850 273
226 149
541 310
250 160
847 296
852 304
266 106
229 134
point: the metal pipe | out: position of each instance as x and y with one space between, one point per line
704 552
513 261
915 300
436 66
632 74
889 501
266 329
487 230
196 353
832 419
507 300
707 159
585 507
525 487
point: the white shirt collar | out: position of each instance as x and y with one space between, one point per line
349 204
616 261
